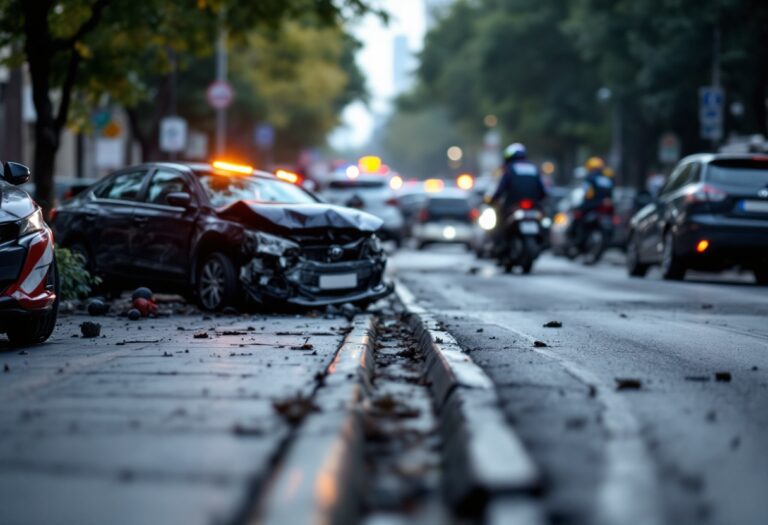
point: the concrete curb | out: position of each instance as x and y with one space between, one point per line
320 479
486 467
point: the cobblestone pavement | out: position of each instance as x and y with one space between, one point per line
168 420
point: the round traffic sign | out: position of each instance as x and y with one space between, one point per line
220 94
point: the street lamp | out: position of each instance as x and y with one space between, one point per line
454 153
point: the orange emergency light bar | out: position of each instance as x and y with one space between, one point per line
288 176
242 169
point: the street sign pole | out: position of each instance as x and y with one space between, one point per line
221 76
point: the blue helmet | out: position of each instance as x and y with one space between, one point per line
515 151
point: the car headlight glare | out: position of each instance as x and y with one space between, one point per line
487 219
374 244
270 244
32 223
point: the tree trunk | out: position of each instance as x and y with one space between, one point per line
46 147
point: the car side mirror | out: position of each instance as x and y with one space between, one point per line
15 173
180 199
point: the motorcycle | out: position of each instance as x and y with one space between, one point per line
523 237
597 229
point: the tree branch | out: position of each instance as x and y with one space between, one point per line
97 9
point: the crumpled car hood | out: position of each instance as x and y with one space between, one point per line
301 218
15 204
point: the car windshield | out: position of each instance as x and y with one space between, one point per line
743 173
223 190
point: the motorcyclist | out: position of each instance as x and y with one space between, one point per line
521 180
598 192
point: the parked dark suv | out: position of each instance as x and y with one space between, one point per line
223 233
711 215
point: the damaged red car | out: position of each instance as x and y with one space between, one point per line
227 235
28 279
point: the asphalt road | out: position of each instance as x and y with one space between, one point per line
683 442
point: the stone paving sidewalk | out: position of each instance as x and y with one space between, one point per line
148 423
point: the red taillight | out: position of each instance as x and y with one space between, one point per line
474 213
526 204
424 215
392 202
705 193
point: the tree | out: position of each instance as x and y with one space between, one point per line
56 39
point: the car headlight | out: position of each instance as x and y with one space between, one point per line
487 219
270 244
32 223
374 244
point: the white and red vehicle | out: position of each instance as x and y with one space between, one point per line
28 277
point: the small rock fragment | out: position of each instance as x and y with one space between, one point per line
539 344
201 335
706 306
723 377
134 314
6 368
90 329
628 383
553 324
480 330
142 292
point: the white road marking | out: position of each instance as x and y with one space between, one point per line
628 493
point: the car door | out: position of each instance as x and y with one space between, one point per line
108 219
666 211
162 243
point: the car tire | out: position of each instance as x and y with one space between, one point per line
672 267
37 329
217 283
761 276
634 267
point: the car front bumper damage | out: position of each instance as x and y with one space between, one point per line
297 280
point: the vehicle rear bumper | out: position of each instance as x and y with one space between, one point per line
732 242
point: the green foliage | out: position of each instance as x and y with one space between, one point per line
74 279
538 64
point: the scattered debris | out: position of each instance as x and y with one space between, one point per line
241 430
553 324
142 292
201 335
754 369
97 307
294 409
623 316
232 332
90 329
166 354
539 344
6 368
592 391
134 314
146 307
480 330
628 383
706 306
473 270
723 377
137 342
229 310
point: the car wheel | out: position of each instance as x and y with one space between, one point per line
217 285
761 276
672 268
34 330
634 267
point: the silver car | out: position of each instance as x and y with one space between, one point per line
372 194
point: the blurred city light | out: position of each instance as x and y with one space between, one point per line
548 168
433 185
490 121
465 181
396 182
369 164
352 172
702 246
454 153
487 220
